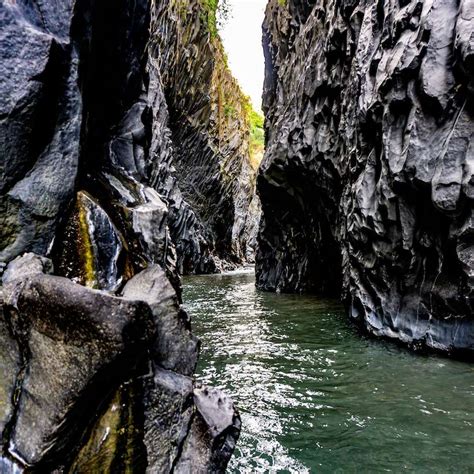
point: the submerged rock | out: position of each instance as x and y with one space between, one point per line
366 185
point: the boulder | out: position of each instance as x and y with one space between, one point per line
78 344
176 348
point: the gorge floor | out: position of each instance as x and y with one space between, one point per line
316 396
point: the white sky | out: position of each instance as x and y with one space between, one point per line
242 37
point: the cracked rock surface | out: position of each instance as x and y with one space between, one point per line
74 342
367 182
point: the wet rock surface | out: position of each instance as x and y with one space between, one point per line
75 342
76 391
211 439
366 183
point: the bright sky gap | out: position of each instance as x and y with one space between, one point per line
242 38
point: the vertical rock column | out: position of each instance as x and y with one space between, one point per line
203 163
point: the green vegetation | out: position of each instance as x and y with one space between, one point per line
229 110
215 12
232 105
257 134
256 123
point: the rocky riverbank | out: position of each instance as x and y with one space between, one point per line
125 148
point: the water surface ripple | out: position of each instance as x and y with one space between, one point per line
315 396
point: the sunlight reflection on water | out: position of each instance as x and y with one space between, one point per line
315 395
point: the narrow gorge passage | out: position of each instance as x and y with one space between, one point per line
315 396
141 164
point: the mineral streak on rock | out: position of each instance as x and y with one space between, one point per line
93 249
367 183
76 341
93 380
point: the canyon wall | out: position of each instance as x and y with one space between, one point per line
367 182
166 112
208 173
113 136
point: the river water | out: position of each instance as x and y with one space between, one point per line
316 396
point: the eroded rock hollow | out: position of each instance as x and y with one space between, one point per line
367 184
125 162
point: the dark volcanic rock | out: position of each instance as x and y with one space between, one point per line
188 430
366 185
168 413
212 435
203 164
110 155
82 113
10 365
40 107
76 343
29 264
176 348
95 382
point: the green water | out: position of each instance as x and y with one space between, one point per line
315 396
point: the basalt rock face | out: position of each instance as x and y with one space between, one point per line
97 356
136 103
204 167
367 183
73 343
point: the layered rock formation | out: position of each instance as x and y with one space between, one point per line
367 182
96 168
